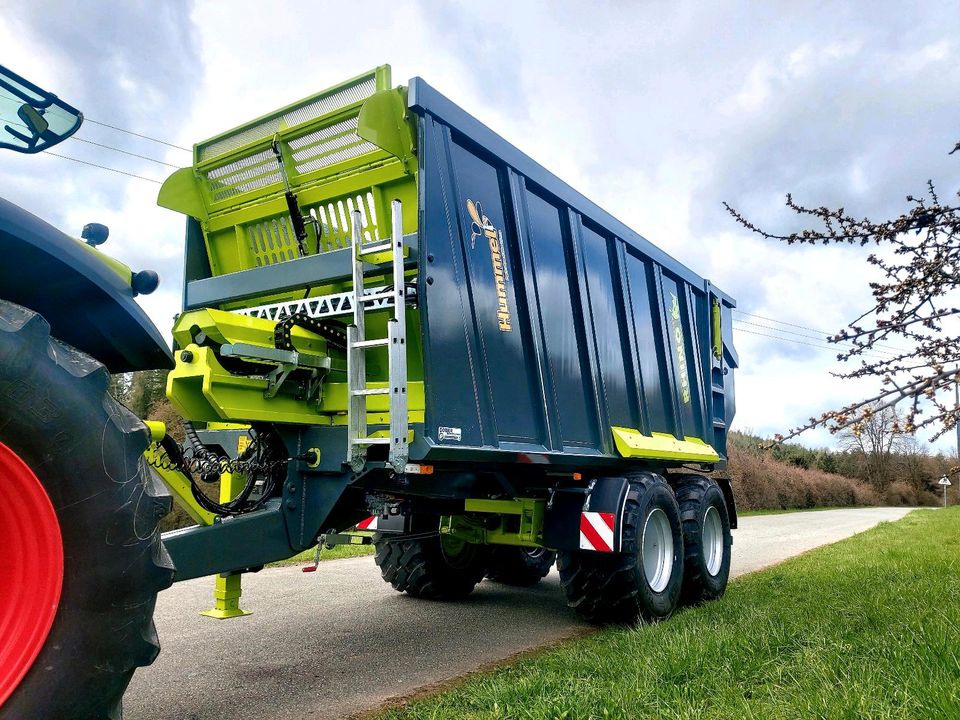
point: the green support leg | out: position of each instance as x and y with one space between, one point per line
227 591
226 598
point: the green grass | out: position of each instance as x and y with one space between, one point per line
866 628
338 552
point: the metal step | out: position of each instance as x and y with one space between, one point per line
379 342
371 391
370 441
374 297
374 249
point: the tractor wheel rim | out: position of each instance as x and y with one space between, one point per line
712 540
656 550
31 574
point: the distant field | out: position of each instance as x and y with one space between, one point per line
865 628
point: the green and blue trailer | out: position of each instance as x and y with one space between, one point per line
396 329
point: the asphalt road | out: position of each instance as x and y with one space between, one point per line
340 641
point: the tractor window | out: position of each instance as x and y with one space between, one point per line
31 119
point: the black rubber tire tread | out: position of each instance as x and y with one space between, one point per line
87 451
517 566
609 588
421 568
694 494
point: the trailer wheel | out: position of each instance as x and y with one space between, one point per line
707 539
519 566
82 559
432 566
643 581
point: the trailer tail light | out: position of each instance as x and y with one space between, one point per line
414 469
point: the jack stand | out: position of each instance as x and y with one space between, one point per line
226 598
226 593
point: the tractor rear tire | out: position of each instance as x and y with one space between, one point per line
643 581
523 567
78 516
707 539
432 567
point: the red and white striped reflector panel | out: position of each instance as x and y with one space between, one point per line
369 524
596 531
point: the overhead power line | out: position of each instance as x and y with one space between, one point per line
136 134
102 167
801 342
823 333
125 152
843 346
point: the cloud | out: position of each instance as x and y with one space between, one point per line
657 112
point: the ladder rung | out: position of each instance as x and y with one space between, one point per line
371 391
371 441
379 342
373 249
371 297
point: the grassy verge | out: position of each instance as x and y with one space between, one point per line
338 552
866 628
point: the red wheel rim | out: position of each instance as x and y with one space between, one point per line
31 569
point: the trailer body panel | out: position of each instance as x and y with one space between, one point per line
546 322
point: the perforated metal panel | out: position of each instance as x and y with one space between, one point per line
328 145
271 241
333 220
269 126
250 173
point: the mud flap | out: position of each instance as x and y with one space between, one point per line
588 518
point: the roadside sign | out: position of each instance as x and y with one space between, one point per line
945 481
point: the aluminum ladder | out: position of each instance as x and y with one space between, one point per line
358 390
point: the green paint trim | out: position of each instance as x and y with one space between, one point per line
529 534
717 330
662 446
180 488
118 268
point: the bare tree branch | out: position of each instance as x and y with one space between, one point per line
915 304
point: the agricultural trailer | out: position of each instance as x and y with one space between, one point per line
397 329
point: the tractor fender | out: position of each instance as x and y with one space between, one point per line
86 301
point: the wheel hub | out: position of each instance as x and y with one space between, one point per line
656 550
712 540
31 569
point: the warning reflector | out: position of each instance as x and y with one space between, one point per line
596 531
369 524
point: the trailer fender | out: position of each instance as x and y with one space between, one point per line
588 518
727 490
86 297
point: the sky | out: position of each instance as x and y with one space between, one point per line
657 111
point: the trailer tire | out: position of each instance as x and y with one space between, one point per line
432 567
707 539
631 585
523 567
79 500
